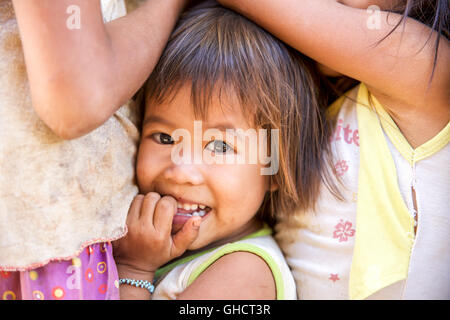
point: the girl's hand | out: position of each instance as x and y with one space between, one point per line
149 243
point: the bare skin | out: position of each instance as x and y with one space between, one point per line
397 70
155 237
80 77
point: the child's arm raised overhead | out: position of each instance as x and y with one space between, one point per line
397 70
80 77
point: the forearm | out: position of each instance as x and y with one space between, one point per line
320 29
80 77
137 42
340 38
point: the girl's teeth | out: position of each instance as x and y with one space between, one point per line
184 214
199 213
191 207
187 206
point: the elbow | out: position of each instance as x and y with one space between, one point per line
68 129
63 130
69 119
69 110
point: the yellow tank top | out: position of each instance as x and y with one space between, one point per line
176 277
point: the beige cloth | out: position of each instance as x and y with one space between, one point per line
57 196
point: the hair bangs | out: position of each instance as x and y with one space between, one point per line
221 54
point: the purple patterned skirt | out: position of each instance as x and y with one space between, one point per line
90 276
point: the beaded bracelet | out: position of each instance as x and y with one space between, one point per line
139 284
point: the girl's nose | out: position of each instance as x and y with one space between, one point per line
184 174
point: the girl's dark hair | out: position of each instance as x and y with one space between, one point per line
214 49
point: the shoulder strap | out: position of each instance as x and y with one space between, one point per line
384 227
243 247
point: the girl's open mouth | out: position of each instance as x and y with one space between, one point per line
190 210
185 211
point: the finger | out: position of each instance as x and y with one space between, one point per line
134 211
148 208
186 236
164 212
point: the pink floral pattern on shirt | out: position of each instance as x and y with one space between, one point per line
334 277
341 167
343 230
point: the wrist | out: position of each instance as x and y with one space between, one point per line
135 284
130 272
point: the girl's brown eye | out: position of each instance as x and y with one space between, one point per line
218 146
162 138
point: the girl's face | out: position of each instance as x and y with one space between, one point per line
227 194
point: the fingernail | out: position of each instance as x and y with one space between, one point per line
196 223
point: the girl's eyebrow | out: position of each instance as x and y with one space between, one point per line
223 126
157 119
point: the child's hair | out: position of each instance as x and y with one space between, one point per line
214 49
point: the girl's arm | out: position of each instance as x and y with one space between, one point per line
397 70
80 77
235 276
149 244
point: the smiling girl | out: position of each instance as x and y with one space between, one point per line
221 69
